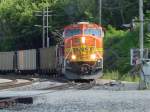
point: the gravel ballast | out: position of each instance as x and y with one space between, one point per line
88 101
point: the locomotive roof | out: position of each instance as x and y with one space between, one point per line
82 25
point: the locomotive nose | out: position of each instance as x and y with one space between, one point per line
83 48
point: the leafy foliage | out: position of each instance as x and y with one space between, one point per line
117 48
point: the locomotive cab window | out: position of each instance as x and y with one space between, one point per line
72 32
92 31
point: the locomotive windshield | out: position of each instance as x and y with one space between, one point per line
92 31
72 32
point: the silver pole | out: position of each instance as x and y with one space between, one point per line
141 27
43 27
141 37
47 29
100 11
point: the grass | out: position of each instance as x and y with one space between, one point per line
115 75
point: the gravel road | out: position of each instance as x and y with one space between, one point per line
88 101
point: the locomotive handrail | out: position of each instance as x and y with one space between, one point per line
68 54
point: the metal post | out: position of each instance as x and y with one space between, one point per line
43 27
47 29
141 28
142 82
100 11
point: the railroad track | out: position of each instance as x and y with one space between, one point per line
84 85
15 83
8 83
68 85
13 101
72 85
7 102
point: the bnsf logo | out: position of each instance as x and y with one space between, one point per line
84 49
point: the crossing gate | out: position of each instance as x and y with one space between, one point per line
145 65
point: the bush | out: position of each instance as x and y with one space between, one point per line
117 44
115 75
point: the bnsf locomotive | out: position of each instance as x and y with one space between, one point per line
79 56
83 51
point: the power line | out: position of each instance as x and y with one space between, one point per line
45 25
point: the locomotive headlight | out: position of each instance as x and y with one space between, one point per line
73 57
93 56
83 40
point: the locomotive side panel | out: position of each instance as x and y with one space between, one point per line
26 60
7 61
48 59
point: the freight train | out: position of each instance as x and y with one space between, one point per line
79 56
41 61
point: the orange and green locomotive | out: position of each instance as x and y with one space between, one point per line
83 51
